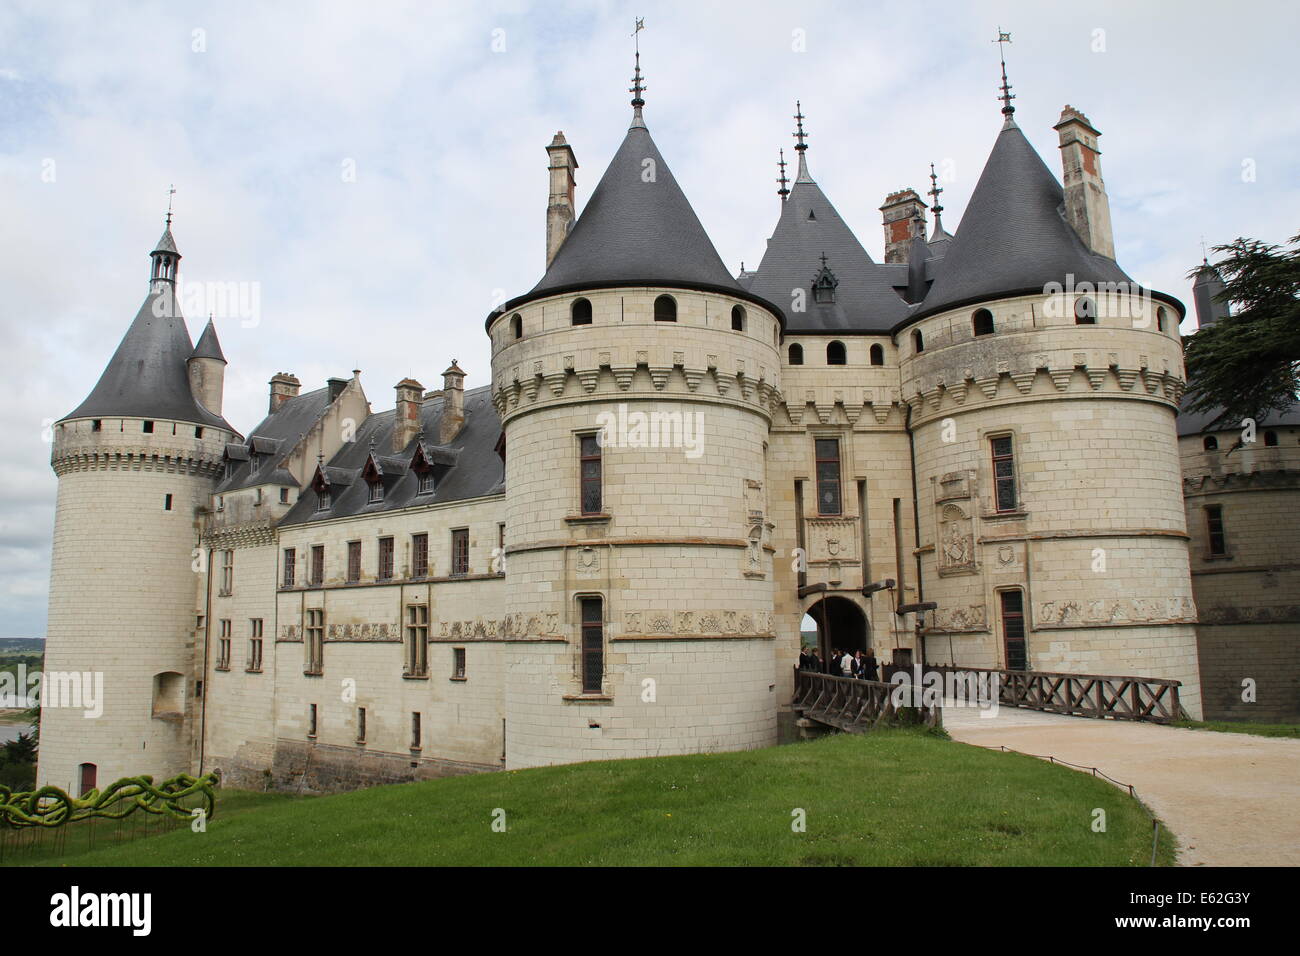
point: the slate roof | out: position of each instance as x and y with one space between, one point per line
275 437
147 377
1013 237
865 300
467 467
1195 424
208 346
633 233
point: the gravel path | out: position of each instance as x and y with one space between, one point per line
1231 799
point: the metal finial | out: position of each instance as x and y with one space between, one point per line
799 134
637 87
1007 96
785 183
823 260
935 189
171 191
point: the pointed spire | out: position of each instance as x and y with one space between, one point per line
800 146
935 208
785 182
208 346
637 88
1007 96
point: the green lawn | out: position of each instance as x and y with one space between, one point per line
1242 727
901 797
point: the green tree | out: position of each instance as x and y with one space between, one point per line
1247 363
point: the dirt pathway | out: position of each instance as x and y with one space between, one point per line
1231 799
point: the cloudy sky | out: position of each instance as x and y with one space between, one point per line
376 170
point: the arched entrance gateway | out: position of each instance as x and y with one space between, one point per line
841 625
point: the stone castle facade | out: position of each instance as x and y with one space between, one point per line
608 549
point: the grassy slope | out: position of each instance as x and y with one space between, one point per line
894 798
1242 727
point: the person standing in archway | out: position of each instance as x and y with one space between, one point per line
870 670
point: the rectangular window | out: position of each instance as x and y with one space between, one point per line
1214 525
425 481
315 641
167 502
361 725
416 735
284 496
227 573
376 491
458 663
290 562
311 720
417 640
354 561
1004 473
148 428
317 565
254 645
1013 629
593 644
419 555
589 466
460 551
828 476
385 570
223 647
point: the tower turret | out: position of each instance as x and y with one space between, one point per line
136 461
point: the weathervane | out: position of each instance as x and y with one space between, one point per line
1007 96
171 191
799 134
637 87
785 183
935 189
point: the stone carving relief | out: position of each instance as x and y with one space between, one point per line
832 539
587 562
1115 611
972 617
699 623
956 551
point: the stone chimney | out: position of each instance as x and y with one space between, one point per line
284 386
904 219
560 210
410 396
336 386
1086 205
453 403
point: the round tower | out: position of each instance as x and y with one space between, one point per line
1042 386
634 384
136 462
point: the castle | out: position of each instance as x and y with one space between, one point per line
608 549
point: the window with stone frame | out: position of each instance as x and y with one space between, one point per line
1013 629
417 640
314 642
384 571
1004 473
593 644
227 585
317 565
1218 540
290 563
354 561
460 551
458 663
591 491
829 490
223 646
419 555
254 665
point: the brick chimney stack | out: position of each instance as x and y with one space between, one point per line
560 210
284 386
904 220
1086 206
453 403
410 396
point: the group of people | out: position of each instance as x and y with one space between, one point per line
859 664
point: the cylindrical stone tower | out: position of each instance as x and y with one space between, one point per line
136 460
634 383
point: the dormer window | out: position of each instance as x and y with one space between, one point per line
323 502
425 482
376 490
824 284
374 478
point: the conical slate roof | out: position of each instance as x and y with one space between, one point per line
808 228
208 346
166 243
1013 238
1205 290
637 229
147 377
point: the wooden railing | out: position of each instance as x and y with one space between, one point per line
1082 695
850 704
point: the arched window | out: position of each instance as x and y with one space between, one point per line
877 355
1162 316
835 354
737 319
517 325
796 354
581 312
982 321
918 342
1270 439
1211 443
665 309
1085 311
